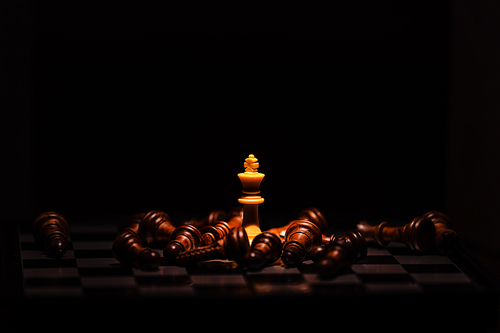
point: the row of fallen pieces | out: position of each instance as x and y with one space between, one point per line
220 235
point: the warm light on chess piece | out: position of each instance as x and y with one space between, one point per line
250 198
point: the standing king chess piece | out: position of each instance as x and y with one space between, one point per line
250 198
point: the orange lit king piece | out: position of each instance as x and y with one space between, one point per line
250 198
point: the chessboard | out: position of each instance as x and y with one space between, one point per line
89 271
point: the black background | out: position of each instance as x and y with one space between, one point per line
139 107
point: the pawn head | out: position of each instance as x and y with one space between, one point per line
171 251
56 247
148 259
293 254
255 260
327 268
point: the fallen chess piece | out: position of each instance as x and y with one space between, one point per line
447 240
156 228
134 221
311 214
128 247
235 246
340 253
212 217
220 229
50 231
212 233
419 234
300 237
128 250
184 238
266 249
315 216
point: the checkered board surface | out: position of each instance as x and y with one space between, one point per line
89 270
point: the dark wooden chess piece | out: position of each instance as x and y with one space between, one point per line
419 234
311 214
135 220
235 246
317 251
50 231
315 216
128 250
266 248
213 233
340 253
184 238
156 228
447 240
212 217
300 237
220 229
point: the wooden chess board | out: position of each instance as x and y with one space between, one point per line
89 270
